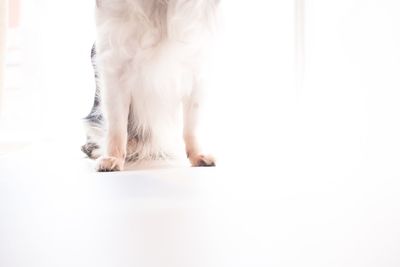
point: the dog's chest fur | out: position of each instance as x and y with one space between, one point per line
156 48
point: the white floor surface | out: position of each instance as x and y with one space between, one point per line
56 211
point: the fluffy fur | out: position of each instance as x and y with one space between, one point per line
148 64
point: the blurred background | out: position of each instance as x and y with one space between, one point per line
48 76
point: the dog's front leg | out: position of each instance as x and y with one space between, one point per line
116 102
191 109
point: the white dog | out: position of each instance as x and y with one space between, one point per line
148 64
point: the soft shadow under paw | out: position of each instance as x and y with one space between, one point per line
109 164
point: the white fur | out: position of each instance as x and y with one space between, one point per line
150 58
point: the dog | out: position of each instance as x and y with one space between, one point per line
147 60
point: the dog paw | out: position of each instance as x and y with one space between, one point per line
110 164
92 150
202 161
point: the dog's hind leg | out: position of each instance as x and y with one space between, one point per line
94 122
